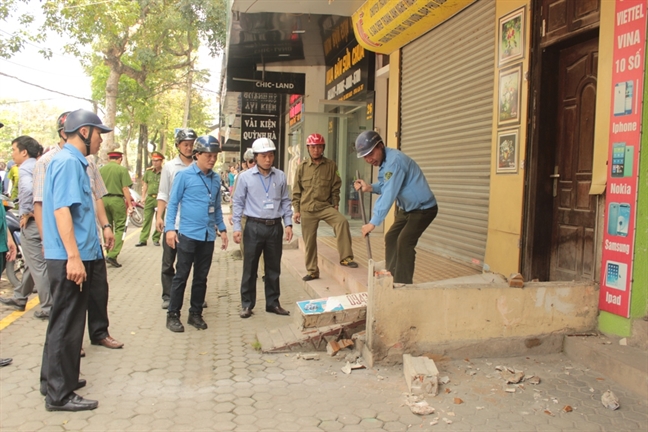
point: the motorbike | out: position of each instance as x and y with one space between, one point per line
137 215
16 268
225 193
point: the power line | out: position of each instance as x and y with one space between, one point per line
37 70
46 89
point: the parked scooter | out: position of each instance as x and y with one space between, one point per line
225 193
137 215
16 268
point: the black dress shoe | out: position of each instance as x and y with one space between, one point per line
11 302
277 310
140 244
5 361
197 321
43 387
246 313
73 403
309 277
113 262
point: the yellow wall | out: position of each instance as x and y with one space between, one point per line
506 203
393 113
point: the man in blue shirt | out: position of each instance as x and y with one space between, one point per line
197 190
400 180
72 251
262 195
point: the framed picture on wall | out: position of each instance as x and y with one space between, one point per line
509 100
511 30
507 151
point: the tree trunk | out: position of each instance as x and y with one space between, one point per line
142 151
112 89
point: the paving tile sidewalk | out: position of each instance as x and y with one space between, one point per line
216 380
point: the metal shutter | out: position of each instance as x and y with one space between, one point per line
446 125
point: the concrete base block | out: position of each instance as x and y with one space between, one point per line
421 375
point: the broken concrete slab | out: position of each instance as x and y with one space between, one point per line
421 375
291 338
331 310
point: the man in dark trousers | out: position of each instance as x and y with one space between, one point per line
150 186
117 202
72 250
184 143
262 195
400 180
197 191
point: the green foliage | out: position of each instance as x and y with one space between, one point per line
37 120
17 12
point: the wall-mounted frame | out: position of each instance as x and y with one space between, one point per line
508 145
510 40
510 93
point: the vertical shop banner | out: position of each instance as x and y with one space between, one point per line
623 156
259 118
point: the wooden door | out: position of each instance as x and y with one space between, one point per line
574 214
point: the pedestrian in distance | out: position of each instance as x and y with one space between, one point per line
400 180
98 322
72 250
184 142
118 201
25 152
316 197
150 186
262 196
197 191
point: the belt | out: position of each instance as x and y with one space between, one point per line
435 207
114 195
153 195
264 221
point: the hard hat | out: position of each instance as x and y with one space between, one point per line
366 142
206 144
315 139
185 135
263 145
249 154
79 118
61 121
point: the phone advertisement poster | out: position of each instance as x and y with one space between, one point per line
623 156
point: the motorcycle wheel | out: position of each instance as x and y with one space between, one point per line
15 270
137 217
226 198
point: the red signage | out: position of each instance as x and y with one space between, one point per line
623 156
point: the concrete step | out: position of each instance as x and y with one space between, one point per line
626 365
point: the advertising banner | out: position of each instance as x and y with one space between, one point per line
623 156
383 26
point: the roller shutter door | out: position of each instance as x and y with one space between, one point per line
446 125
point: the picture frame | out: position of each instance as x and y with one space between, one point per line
511 36
510 95
508 145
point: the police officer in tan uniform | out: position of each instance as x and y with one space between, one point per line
316 197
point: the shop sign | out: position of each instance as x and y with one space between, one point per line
383 26
623 156
254 127
296 109
348 75
260 103
266 82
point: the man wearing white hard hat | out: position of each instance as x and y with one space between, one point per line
261 195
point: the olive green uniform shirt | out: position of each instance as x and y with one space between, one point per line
115 177
316 186
152 179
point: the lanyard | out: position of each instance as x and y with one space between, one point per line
266 189
206 187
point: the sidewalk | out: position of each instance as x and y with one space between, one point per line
216 380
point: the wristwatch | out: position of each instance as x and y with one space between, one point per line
106 226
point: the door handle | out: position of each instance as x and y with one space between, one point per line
555 176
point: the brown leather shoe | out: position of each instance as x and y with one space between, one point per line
278 310
246 313
108 342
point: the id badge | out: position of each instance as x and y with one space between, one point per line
212 209
268 205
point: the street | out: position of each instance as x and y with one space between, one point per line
217 379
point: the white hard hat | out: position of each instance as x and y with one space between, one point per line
263 145
249 154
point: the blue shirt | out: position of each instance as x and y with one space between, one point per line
67 185
400 179
259 196
199 196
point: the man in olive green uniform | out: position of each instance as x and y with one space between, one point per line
151 183
316 197
117 202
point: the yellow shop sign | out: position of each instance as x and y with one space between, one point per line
383 26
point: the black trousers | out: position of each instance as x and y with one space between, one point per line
259 238
61 361
199 255
401 239
98 302
168 269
